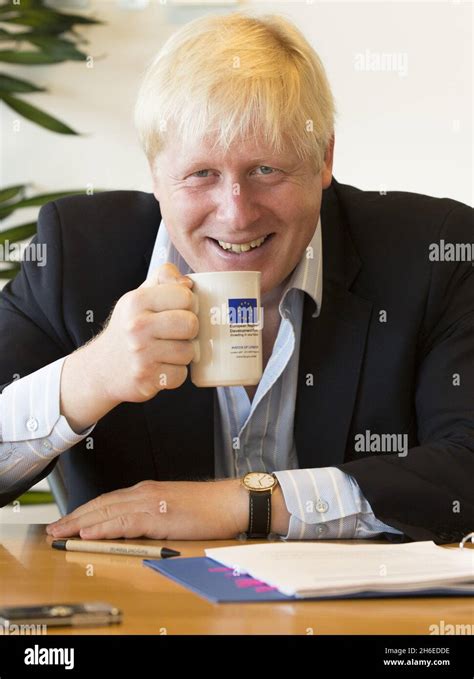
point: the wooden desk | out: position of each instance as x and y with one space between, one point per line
33 573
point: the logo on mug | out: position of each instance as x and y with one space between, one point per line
243 311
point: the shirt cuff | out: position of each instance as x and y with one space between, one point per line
326 503
30 407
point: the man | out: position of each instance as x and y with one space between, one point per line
365 410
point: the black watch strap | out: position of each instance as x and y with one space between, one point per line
260 514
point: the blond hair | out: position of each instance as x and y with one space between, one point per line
236 76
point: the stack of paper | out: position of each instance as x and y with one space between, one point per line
308 569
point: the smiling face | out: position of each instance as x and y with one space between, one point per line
247 209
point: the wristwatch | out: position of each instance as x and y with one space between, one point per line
260 486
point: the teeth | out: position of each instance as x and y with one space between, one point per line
242 247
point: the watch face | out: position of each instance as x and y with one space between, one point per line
259 481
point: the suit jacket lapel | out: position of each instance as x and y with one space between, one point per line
332 348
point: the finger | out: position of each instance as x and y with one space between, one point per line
169 273
139 524
96 504
172 324
72 526
166 273
121 495
170 352
167 377
167 296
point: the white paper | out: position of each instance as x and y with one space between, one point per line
309 568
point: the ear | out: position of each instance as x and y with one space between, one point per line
326 173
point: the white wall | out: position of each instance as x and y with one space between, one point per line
411 132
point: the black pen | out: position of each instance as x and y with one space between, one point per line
107 547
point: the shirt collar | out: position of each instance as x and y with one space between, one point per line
307 275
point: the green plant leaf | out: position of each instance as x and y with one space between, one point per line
10 272
11 191
6 211
41 199
57 47
10 36
29 58
18 233
9 84
36 497
25 4
37 116
47 19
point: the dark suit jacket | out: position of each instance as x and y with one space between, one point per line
392 377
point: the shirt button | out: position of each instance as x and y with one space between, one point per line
321 530
32 424
321 506
47 445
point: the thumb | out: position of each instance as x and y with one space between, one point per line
167 273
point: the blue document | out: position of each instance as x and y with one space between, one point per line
217 583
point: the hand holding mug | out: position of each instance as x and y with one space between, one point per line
147 343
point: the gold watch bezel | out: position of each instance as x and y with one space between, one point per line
260 490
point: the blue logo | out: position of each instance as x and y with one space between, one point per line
243 311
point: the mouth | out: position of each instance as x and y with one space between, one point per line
243 249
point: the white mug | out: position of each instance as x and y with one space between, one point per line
228 348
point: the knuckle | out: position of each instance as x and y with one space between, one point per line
131 300
138 372
125 300
134 345
145 484
122 522
136 324
106 512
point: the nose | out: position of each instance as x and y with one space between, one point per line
236 208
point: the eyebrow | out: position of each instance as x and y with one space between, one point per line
201 163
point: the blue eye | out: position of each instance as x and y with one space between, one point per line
266 169
263 170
